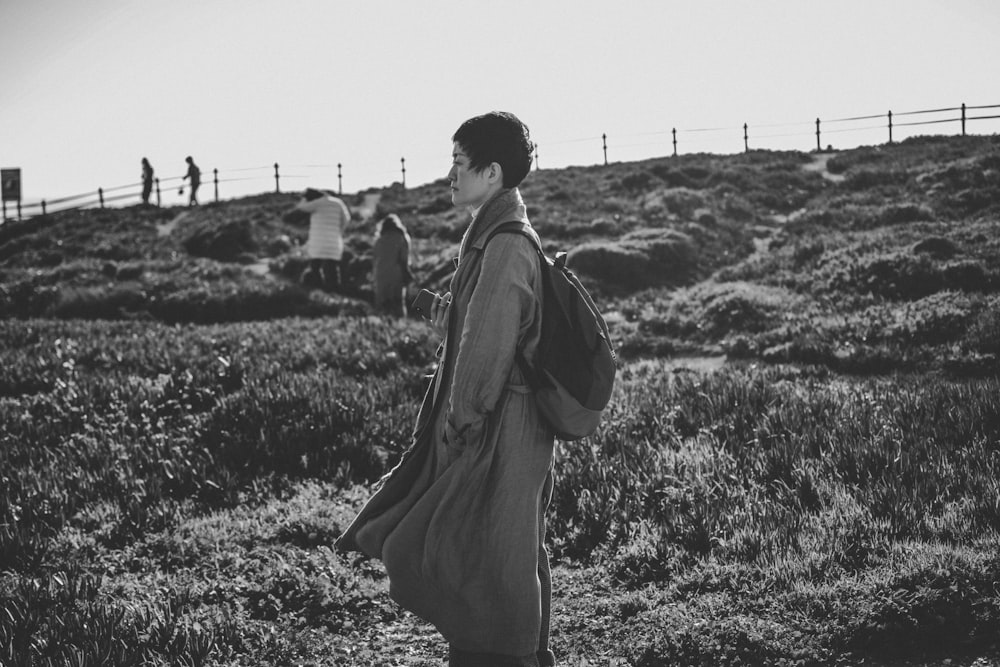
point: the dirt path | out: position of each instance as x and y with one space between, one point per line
367 208
819 164
167 227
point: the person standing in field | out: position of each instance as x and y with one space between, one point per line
194 173
391 265
459 523
328 218
147 181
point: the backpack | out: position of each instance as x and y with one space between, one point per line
574 368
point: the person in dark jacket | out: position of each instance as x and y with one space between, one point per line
194 173
391 266
147 181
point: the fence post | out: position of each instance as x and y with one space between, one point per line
536 158
890 126
43 207
340 181
402 162
673 131
215 181
818 148
963 119
746 139
157 181
604 140
277 187
100 194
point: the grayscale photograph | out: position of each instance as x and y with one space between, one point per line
534 333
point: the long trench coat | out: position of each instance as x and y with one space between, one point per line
458 522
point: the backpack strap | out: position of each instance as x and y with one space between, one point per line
522 228
514 227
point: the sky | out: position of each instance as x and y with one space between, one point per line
89 88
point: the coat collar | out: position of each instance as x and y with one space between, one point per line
505 206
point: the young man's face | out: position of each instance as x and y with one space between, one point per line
468 187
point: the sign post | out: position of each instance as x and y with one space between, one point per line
10 189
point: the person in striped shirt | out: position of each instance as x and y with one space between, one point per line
328 218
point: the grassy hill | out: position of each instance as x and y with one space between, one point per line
874 259
799 466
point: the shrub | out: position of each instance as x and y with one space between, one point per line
241 302
805 349
714 310
805 252
903 213
983 335
898 275
681 202
868 179
938 318
967 276
742 307
643 258
937 247
26 297
693 178
605 227
225 242
98 303
439 204
930 607
637 182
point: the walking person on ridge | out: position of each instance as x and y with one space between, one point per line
194 173
147 181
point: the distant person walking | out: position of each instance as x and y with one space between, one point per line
194 173
328 218
391 266
147 181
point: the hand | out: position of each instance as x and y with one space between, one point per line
439 314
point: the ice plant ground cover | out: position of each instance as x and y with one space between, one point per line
182 437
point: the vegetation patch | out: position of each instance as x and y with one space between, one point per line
799 464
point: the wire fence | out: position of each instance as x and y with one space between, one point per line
653 141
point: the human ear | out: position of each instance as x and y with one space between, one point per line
494 172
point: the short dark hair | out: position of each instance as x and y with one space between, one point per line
391 222
501 137
311 193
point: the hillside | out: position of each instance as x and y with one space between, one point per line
800 463
869 260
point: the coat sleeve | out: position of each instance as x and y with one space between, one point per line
501 309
